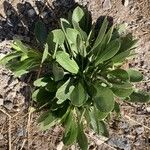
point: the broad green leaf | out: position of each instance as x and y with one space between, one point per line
101 33
77 14
9 57
117 108
58 72
127 43
112 48
42 82
81 32
120 57
40 32
66 62
55 37
42 96
81 138
71 35
78 96
134 75
119 74
63 93
104 99
122 89
103 129
45 53
68 121
71 136
139 96
47 120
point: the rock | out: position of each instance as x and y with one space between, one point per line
148 109
139 130
1 101
120 142
125 2
107 4
31 13
1 136
8 104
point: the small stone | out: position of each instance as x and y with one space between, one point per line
125 2
31 13
1 136
1 101
139 130
107 4
8 104
148 109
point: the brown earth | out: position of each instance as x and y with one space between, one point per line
18 129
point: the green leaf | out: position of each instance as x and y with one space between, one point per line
81 32
135 76
45 53
122 89
58 72
42 96
127 43
23 67
101 33
78 95
42 82
64 24
117 108
40 32
112 48
55 37
103 129
104 99
77 14
19 46
63 93
71 135
119 74
139 96
66 62
120 57
47 120
71 35
81 138
9 57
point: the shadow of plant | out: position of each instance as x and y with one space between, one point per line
20 21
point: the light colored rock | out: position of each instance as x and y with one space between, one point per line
148 109
107 4
125 2
8 105
1 101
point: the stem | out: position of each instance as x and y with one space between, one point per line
82 115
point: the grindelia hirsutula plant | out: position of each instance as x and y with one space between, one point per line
86 74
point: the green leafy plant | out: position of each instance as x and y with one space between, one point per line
86 76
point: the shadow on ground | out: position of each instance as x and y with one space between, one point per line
20 21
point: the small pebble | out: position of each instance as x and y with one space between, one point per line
8 104
1 101
31 13
125 2
107 4
139 130
1 136
148 109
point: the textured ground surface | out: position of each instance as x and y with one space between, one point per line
18 129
